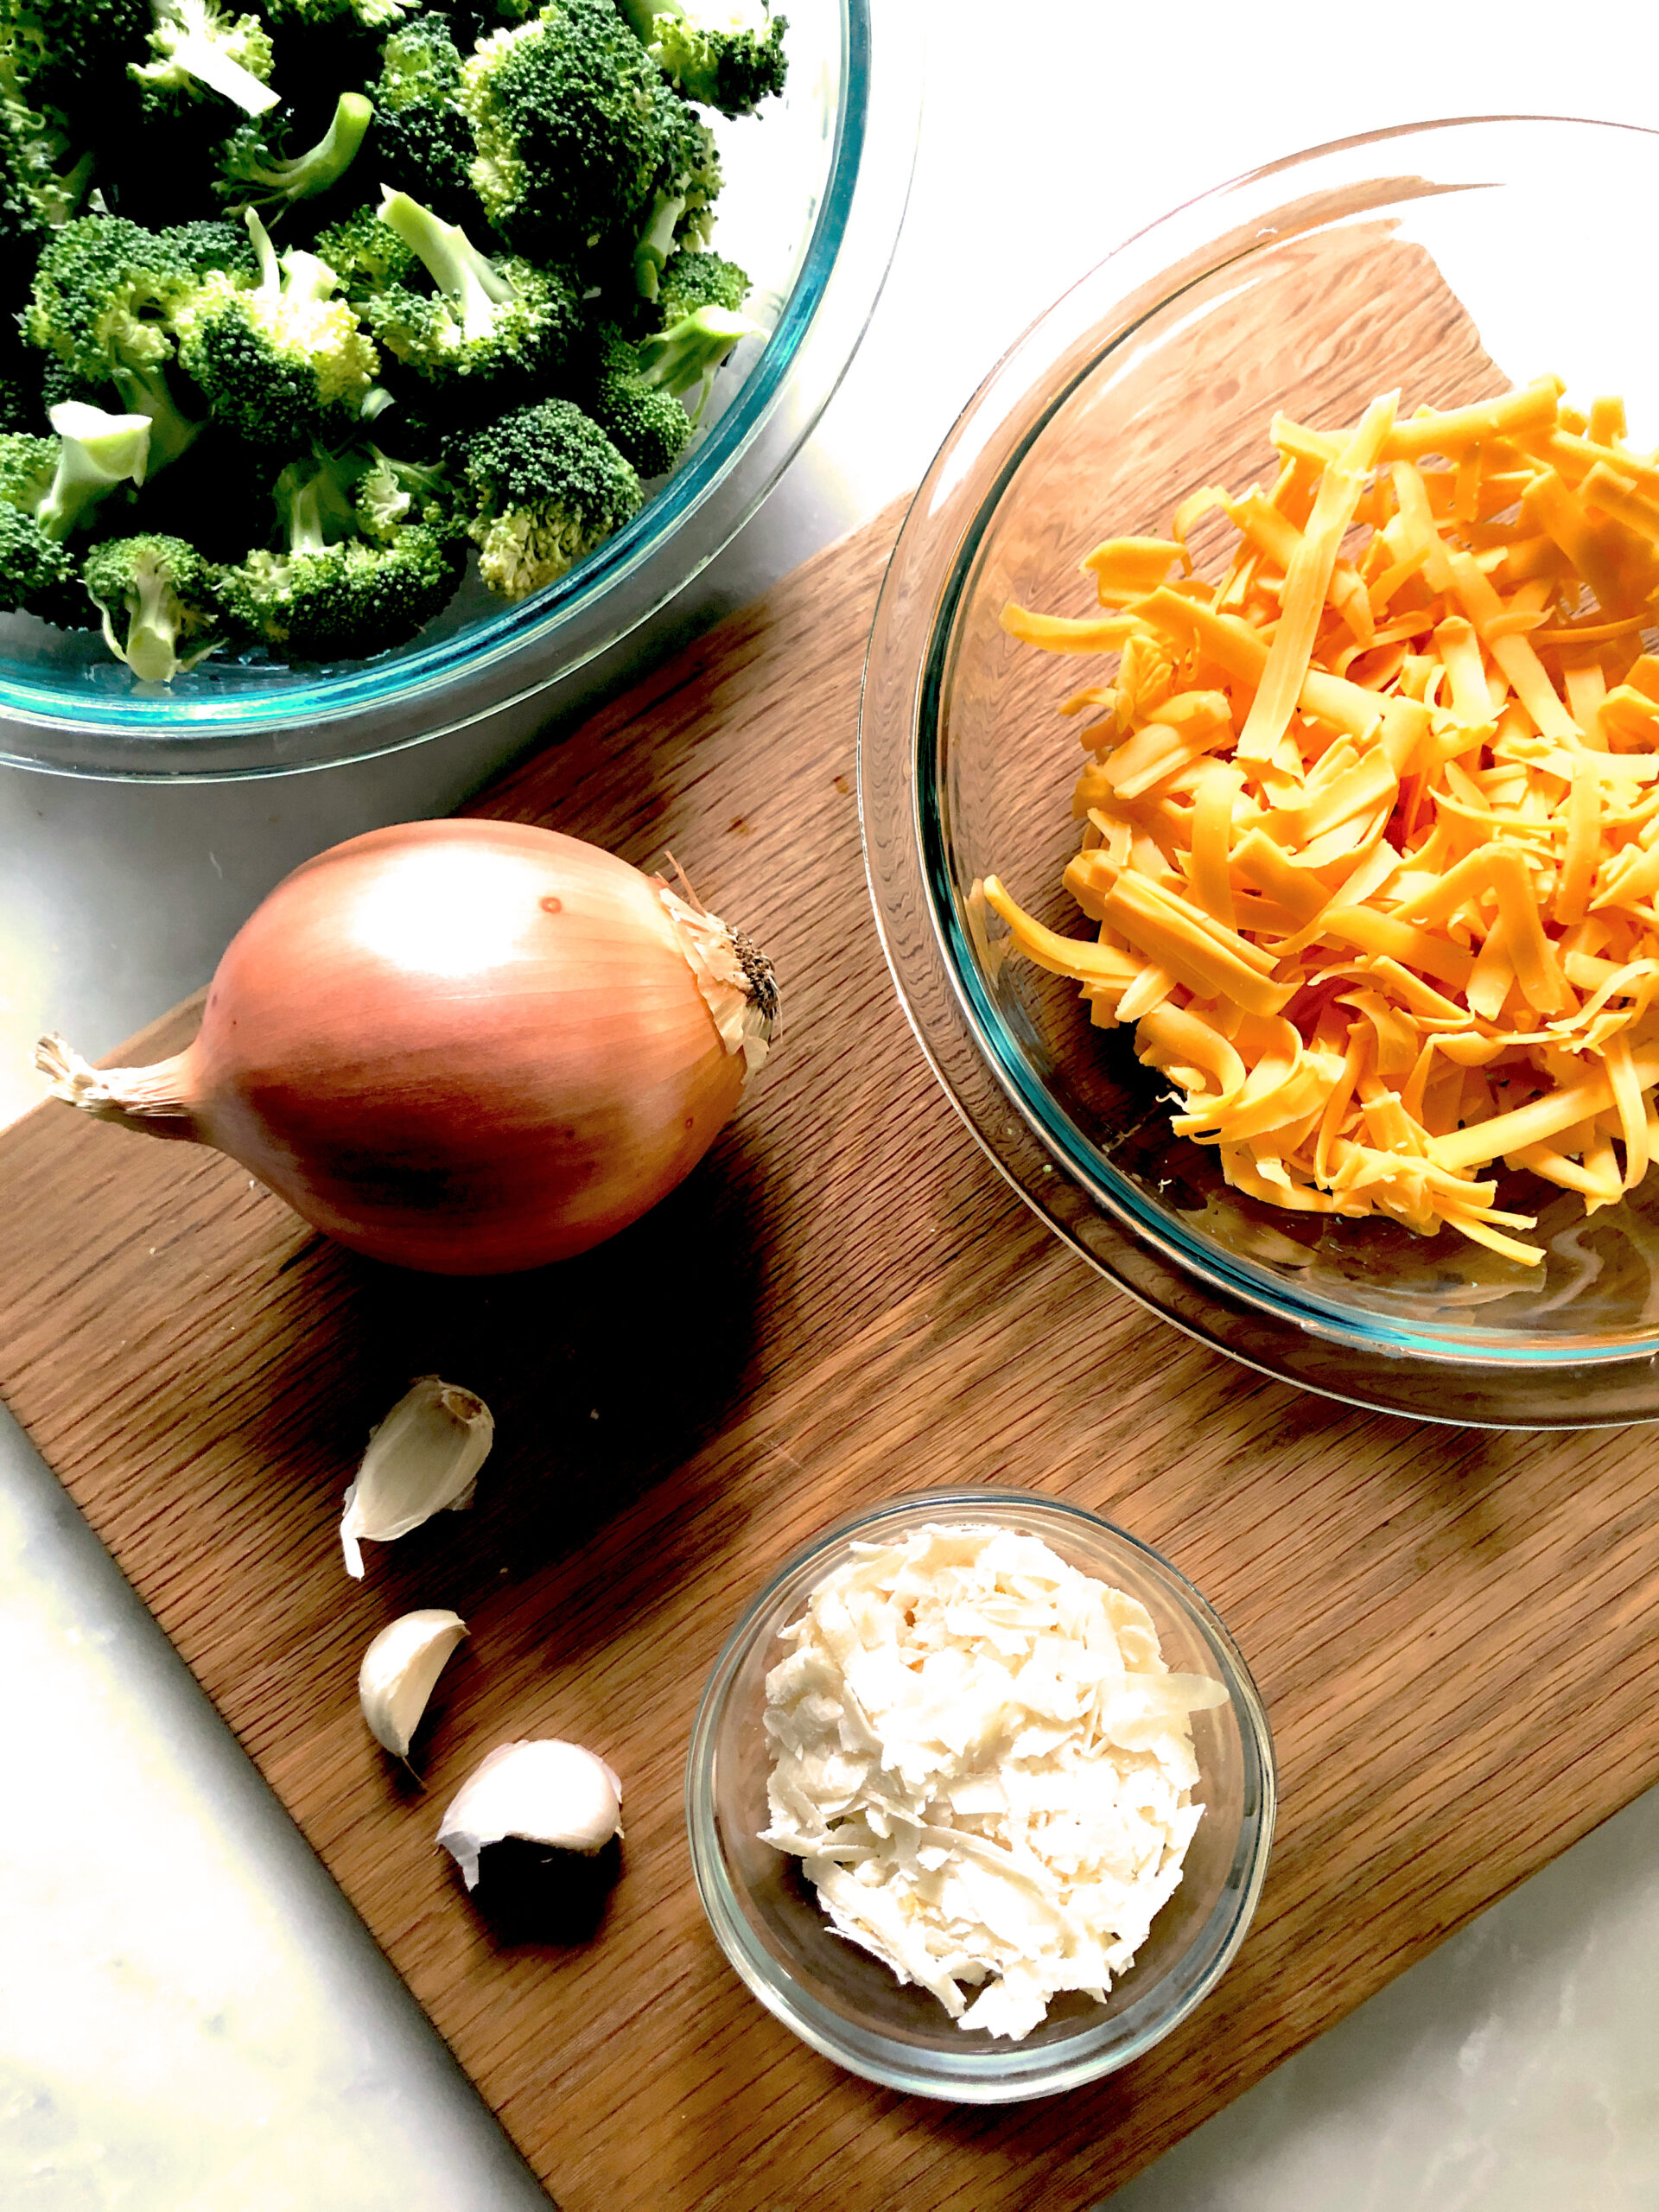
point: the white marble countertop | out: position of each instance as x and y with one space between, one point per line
189 2015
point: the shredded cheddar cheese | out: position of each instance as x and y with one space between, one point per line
1371 825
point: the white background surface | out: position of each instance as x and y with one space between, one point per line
1513 2070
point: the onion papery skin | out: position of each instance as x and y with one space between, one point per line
467 1047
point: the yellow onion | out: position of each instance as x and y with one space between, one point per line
461 1046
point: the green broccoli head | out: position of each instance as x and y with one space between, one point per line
158 602
22 225
346 601
693 280
421 142
684 357
648 426
569 127
337 14
197 48
358 491
58 48
366 254
283 360
28 464
208 245
38 575
255 173
690 172
60 480
489 327
548 486
47 173
106 296
392 494
728 57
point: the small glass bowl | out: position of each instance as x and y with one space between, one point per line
1408 258
844 2002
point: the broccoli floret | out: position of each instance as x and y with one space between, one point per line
28 464
281 360
207 245
366 254
421 141
345 601
197 48
569 124
60 480
355 578
648 426
727 56
700 280
106 294
488 324
392 494
38 575
157 599
328 14
42 168
107 299
694 155
22 226
549 486
255 174
61 53
685 356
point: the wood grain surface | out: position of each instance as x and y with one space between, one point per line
1452 1630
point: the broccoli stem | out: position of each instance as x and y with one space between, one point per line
194 50
689 350
321 165
640 16
270 278
145 392
152 651
452 261
656 243
299 277
96 452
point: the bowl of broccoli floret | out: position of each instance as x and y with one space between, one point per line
368 367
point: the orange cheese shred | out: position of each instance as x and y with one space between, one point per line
1372 820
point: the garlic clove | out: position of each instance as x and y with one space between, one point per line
542 1790
398 1670
422 1459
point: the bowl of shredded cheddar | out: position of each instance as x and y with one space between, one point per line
1260 772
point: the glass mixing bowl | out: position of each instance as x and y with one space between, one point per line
1428 258
844 2002
815 194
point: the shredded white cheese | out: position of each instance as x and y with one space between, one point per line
986 1766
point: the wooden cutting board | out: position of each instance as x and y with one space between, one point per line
1452 1630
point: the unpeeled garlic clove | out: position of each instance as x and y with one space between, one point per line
422 1459
398 1670
543 1790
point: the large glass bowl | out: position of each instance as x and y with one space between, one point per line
844 2002
814 194
1431 258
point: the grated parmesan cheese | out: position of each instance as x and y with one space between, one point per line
986 1767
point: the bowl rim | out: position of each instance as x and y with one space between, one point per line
1374 1361
364 709
1014 2073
